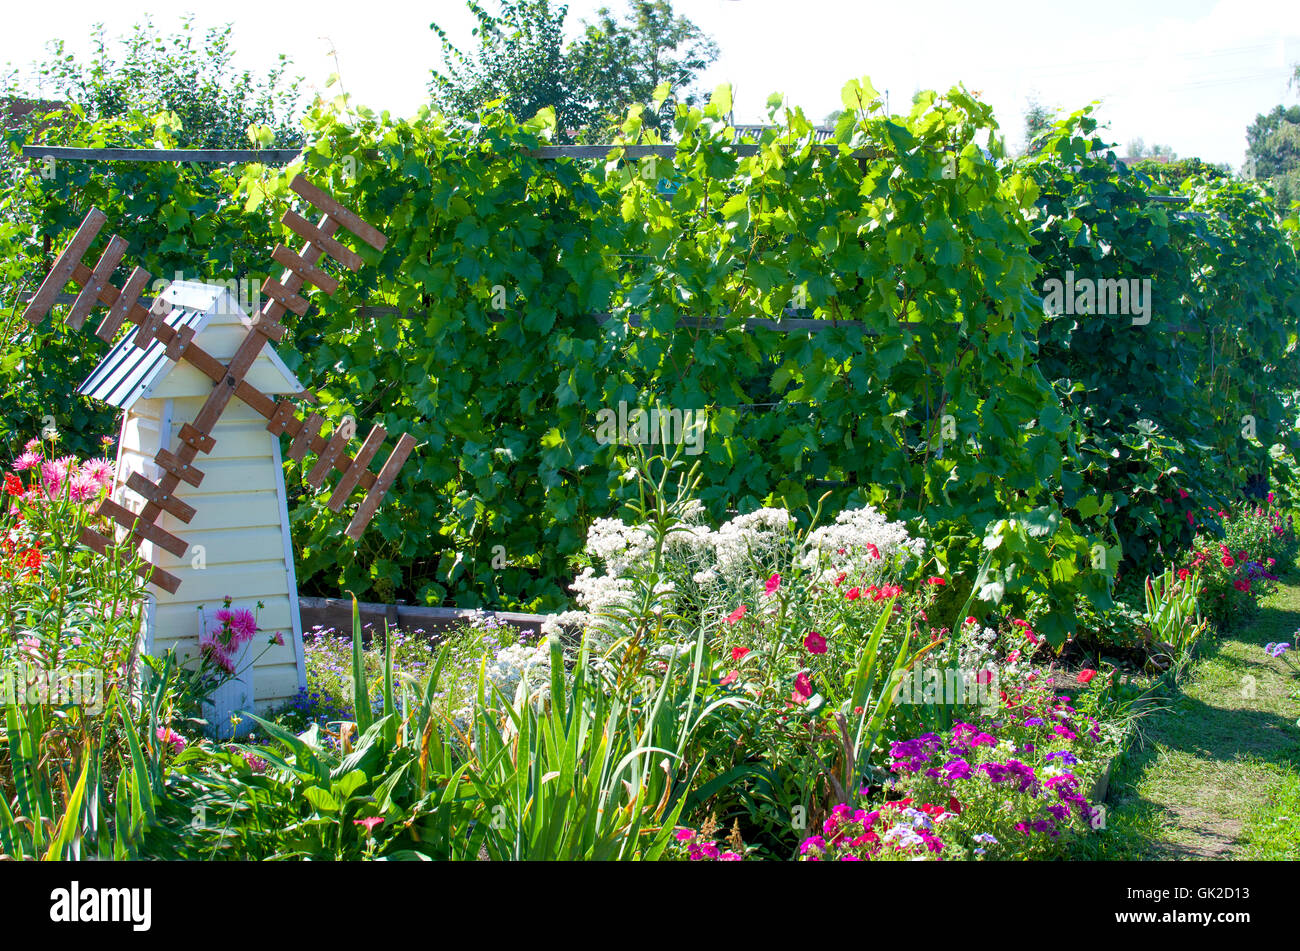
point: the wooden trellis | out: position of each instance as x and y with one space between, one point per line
125 306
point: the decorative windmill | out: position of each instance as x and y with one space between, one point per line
143 368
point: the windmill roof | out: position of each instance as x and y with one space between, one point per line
129 372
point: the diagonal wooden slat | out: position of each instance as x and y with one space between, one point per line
279 422
64 267
344 216
353 474
99 277
151 573
282 295
304 269
123 305
387 476
179 343
148 330
302 440
309 232
201 441
155 494
179 466
268 326
325 460
145 531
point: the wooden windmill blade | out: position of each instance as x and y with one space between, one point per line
65 267
178 467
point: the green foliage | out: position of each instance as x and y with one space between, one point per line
589 85
625 63
1175 408
1036 450
1273 151
180 220
507 399
183 73
582 772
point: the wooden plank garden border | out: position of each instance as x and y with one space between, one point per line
336 613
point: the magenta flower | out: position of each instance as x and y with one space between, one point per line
370 823
803 686
165 734
28 460
815 643
773 583
83 488
244 625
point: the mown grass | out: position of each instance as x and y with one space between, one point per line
1214 769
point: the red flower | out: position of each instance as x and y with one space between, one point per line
1190 519
937 580
853 594
1242 585
840 580
730 678
736 615
1227 561
1086 675
954 806
803 686
815 643
971 620
738 652
1182 574
31 559
1182 493
13 484
875 552
773 583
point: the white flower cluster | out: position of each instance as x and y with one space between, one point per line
617 545
868 540
750 538
976 647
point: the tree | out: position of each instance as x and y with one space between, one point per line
1138 149
1173 173
1038 118
1273 151
187 74
523 61
622 63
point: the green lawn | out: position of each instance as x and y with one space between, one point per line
1214 772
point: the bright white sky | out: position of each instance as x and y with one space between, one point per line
1191 74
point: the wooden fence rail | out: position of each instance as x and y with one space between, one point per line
336 613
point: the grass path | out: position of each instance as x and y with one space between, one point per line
1214 773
